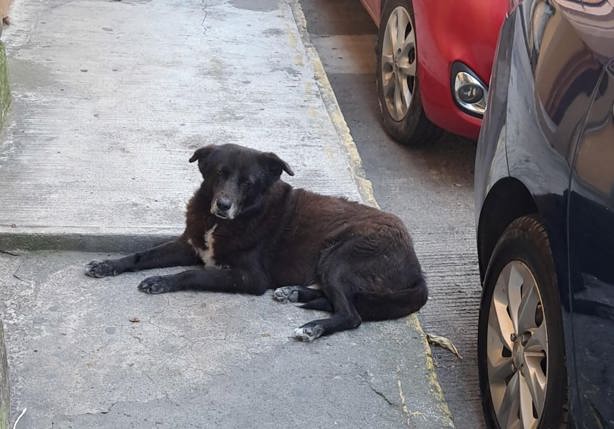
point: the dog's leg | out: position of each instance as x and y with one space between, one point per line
320 304
344 317
296 294
173 253
230 280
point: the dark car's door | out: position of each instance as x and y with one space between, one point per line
591 238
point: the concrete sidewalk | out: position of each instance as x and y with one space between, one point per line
109 101
111 98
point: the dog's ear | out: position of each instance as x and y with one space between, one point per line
202 153
275 164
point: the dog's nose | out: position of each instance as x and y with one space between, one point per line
223 203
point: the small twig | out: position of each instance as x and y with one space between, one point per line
17 270
6 252
204 6
19 418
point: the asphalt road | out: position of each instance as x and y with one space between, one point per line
431 189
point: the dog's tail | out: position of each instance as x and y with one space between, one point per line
392 305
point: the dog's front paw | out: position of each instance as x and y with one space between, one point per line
156 284
286 294
308 332
98 269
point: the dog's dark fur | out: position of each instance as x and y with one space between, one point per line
264 234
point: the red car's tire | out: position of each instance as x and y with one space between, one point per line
398 87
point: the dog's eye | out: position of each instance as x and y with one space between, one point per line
221 172
245 182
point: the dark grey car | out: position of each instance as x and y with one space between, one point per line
544 194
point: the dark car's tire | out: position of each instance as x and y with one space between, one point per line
521 275
405 121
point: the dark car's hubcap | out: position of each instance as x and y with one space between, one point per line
517 348
398 63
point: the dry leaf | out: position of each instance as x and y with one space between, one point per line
443 342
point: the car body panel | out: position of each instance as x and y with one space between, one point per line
549 69
494 156
591 233
593 20
442 39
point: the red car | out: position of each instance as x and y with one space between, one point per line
433 64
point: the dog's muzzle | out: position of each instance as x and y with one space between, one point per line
223 208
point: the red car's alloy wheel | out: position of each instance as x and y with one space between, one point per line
398 85
398 63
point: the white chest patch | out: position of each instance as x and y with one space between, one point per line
207 254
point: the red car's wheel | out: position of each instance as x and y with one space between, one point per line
398 87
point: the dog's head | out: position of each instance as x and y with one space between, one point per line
237 178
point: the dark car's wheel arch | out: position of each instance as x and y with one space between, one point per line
507 200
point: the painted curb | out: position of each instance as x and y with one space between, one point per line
5 92
364 185
5 101
83 241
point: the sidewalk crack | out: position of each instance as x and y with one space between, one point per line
368 377
383 396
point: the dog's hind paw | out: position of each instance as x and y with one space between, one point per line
156 284
308 332
286 294
98 269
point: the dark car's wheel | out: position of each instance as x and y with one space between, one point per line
398 88
520 336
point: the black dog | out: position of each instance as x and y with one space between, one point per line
255 232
